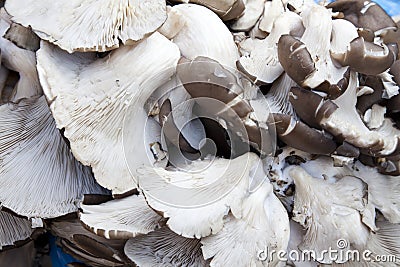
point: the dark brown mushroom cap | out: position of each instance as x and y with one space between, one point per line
310 107
295 58
363 14
200 80
300 136
365 57
365 102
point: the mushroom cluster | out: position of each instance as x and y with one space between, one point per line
200 132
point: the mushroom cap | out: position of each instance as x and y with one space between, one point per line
204 34
252 12
299 135
365 57
48 181
89 25
163 247
120 218
336 206
104 91
259 224
196 199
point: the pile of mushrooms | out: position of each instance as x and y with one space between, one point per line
199 133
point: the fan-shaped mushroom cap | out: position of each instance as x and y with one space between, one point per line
120 218
90 99
196 199
259 224
48 181
335 205
13 229
204 34
89 25
164 248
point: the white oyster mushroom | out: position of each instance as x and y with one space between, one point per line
48 182
79 25
203 34
346 122
195 200
319 29
272 10
253 11
260 224
164 248
330 212
90 98
120 218
13 229
19 60
260 57
383 191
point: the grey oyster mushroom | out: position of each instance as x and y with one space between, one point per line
198 132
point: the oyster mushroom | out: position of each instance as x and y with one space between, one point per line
89 26
92 109
366 57
378 241
163 247
19 60
208 180
201 33
48 175
312 51
352 129
260 57
340 214
252 12
260 223
120 218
